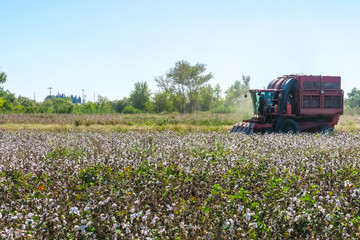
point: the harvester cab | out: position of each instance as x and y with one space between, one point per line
270 100
294 103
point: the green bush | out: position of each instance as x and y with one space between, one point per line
130 110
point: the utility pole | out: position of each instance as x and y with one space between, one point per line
83 95
34 97
50 90
94 97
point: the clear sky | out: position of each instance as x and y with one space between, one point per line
106 46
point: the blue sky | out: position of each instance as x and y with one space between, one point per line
107 46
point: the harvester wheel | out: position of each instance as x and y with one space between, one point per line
326 129
288 126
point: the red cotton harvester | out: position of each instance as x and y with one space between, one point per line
295 103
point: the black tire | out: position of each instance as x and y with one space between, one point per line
326 129
288 126
268 130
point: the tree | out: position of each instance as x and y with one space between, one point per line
2 101
140 97
206 97
58 105
9 100
162 102
118 106
2 77
210 97
354 98
88 107
185 81
236 92
103 105
217 99
29 106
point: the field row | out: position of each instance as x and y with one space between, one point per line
140 122
166 185
201 119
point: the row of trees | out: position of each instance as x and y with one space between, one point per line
184 88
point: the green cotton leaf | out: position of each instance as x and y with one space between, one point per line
217 186
164 194
236 196
307 198
254 205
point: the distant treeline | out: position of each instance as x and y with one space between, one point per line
184 88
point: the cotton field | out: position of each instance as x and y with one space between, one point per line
167 185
